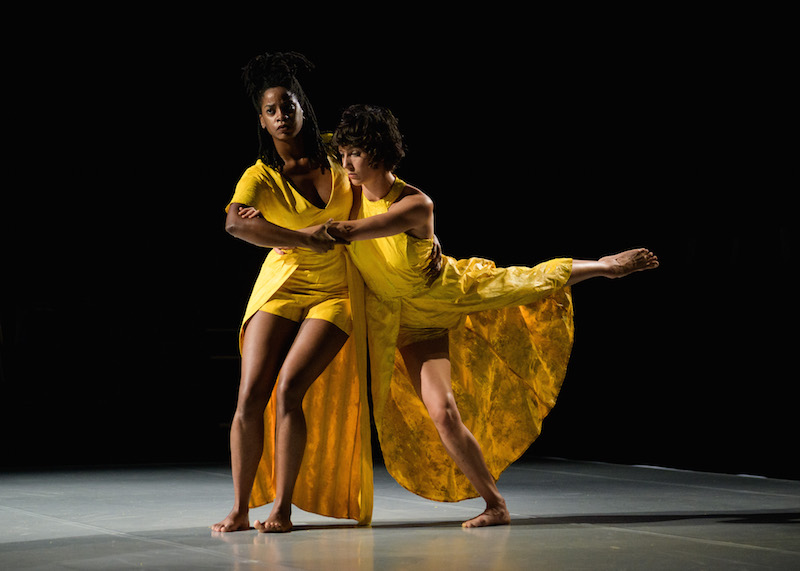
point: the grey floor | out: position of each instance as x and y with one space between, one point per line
566 515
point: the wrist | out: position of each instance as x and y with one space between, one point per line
347 231
304 238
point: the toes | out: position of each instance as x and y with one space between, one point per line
488 519
475 522
272 527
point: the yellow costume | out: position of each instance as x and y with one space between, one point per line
336 474
511 333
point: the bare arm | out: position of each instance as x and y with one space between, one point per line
413 214
261 232
434 260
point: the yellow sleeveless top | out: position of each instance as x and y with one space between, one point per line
511 332
392 267
336 475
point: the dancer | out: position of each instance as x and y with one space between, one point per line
489 343
503 335
298 321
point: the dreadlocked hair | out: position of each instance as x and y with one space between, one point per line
280 69
373 129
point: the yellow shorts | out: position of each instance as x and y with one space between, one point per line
410 335
297 307
315 291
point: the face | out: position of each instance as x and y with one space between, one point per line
356 162
281 114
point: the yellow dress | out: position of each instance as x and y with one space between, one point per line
511 333
336 474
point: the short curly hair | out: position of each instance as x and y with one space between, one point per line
373 129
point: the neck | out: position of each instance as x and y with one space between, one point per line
379 187
291 151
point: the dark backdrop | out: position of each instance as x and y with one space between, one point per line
122 293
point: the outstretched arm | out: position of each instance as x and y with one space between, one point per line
434 260
412 213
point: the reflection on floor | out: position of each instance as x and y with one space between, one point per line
565 515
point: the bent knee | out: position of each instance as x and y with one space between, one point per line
289 396
253 399
251 405
445 415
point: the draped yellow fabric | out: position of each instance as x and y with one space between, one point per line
336 474
511 332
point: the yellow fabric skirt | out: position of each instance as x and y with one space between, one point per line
335 477
510 331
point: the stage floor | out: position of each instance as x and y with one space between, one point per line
565 515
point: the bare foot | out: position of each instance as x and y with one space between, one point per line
234 522
630 261
497 515
274 526
277 522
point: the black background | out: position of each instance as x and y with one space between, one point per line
548 137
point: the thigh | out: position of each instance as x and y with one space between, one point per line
317 342
265 344
428 366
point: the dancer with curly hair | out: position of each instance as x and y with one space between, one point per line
467 363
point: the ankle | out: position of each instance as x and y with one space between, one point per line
496 503
239 510
282 509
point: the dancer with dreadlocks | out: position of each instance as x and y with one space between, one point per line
298 321
465 366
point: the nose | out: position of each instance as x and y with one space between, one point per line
283 115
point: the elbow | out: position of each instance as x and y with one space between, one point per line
234 222
428 206
233 227
423 215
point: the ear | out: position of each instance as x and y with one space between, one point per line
262 120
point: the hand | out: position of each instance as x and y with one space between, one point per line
249 212
434 267
319 239
338 231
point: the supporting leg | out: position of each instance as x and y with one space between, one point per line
316 345
428 364
267 339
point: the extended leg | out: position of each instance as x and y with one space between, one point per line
428 365
615 266
316 345
267 339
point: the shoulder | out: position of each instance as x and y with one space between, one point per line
258 174
256 183
418 196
